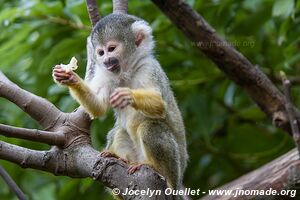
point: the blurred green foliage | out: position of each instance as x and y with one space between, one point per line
227 133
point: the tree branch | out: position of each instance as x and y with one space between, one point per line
11 184
47 137
65 22
82 161
280 174
289 109
35 106
228 59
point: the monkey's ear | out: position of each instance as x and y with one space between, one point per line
143 34
139 37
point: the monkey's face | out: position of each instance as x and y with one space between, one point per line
120 40
110 55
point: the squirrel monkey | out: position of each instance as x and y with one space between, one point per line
123 73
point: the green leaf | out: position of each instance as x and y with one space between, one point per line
66 191
47 192
56 89
20 34
10 14
47 8
284 28
8 58
61 53
283 8
76 10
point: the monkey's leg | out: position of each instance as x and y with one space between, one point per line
160 150
119 145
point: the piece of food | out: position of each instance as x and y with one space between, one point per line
71 66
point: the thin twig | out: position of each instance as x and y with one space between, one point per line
66 22
290 111
51 138
12 184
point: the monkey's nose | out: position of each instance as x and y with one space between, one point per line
111 61
112 64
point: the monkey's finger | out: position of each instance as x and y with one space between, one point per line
125 104
114 94
58 71
118 95
70 80
59 79
118 102
108 154
114 98
104 154
65 82
63 75
61 71
122 105
119 91
134 168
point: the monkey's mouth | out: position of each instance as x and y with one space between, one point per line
113 68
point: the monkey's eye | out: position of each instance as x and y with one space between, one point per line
101 52
111 48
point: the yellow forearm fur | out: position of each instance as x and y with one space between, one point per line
86 98
149 102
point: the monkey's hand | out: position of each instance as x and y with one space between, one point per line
62 77
121 97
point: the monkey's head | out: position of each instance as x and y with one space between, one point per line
118 39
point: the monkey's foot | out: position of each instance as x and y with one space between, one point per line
134 168
107 154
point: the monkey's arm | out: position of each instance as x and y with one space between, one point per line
89 100
149 102
93 103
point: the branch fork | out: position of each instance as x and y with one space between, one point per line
72 154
